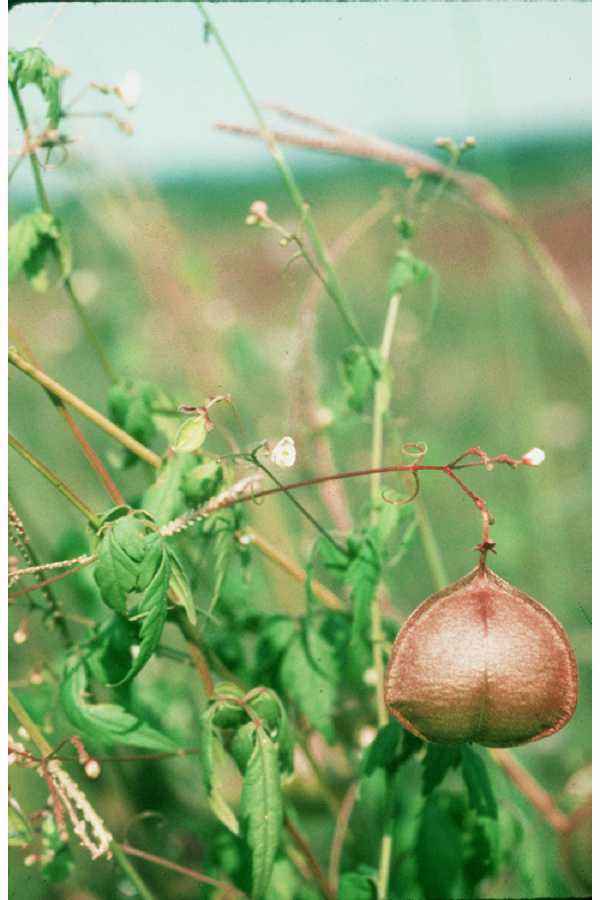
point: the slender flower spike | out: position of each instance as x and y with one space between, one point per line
283 453
535 457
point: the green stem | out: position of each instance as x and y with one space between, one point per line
332 284
131 872
28 724
45 205
377 635
85 409
54 480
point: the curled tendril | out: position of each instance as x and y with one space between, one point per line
256 501
404 501
415 450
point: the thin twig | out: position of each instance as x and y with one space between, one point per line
304 847
182 870
339 835
531 790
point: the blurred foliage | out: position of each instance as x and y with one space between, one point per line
185 297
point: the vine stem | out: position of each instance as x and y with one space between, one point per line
531 790
57 482
332 284
381 400
23 717
45 204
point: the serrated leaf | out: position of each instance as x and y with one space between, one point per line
115 572
152 609
20 832
30 239
477 781
224 547
261 811
482 850
218 804
274 636
438 761
179 587
382 753
107 723
130 406
363 576
438 851
202 482
309 675
164 499
33 66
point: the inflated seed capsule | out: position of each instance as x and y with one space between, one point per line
483 662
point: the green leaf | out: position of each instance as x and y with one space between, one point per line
482 849
406 270
115 571
202 482
274 636
261 811
382 753
180 589
225 545
106 723
360 370
309 675
477 780
438 761
191 435
165 499
438 850
30 240
131 405
356 886
363 577
20 832
208 742
33 66
153 580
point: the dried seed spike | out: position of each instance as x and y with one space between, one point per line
482 662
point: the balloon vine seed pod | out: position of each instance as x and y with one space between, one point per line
482 662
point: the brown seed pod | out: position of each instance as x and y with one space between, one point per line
576 848
483 662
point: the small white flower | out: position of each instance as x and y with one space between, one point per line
370 677
130 88
366 736
534 457
283 453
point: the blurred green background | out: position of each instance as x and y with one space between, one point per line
182 293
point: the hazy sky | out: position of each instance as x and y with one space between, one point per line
406 70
